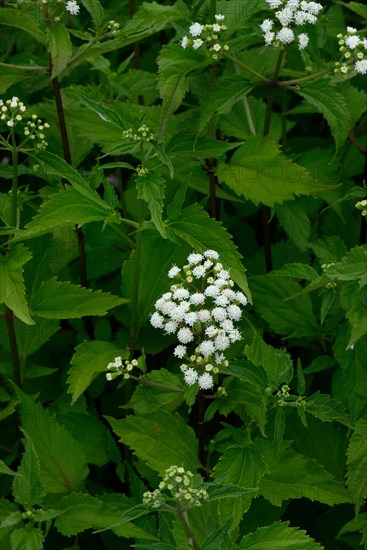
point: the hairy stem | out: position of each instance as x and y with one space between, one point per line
182 516
247 68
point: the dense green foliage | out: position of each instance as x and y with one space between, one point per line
141 151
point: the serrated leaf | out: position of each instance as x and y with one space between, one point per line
191 146
276 363
95 8
27 538
225 93
355 311
327 409
292 318
168 394
278 536
297 271
60 47
243 467
89 359
161 440
82 511
63 209
63 467
357 463
57 166
12 291
296 223
260 173
292 475
27 487
151 189
4 469
63 300
105 113
356 7
20 20
325 96
201 232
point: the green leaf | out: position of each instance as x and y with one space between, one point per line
325 96
161 440
243 467
63 300
201 232
356 7
352 266
278 536
260 173
27 487
63 467
105 113
296 223
12 291
293 476
27 538
225 93
95 8
276 363
191 146
82 511
20 20
168 394
90 359
245 396
4 469
56 166
355 310
60 47
327 409
151 189
293 318
175 63
218 539
357 463
297 271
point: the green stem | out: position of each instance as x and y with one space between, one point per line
148 382
247 68
134 325
182 516
14 189
24 67
285 83
246 108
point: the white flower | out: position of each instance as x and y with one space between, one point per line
194 258
303 40
10 123
285 35
351 30
352 41
197 43
206 381
273 4
361 66
219 358
170 327
196 29
235 335
197 298
293 4
219 17
216 27
203 315
173 271
221 300
190 377
312 7
241 298
220 314
190 318
211 291
72 7
211 331
221 342
180 351
168 308
185 335
269 38
181 294
198 272
266 25
185 42
217 47
206 348
227 325
212 253
234 312
285 16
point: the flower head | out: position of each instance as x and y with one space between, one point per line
72 7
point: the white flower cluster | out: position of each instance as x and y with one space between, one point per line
207 35
354 52
362 205
117 368
142 134
34 131
113 27
72 7
202 309
12 111
290 13
178 485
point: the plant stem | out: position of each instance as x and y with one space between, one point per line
182 516
134 326
247 68
266 129
14 188
24 67
246 108
285 83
